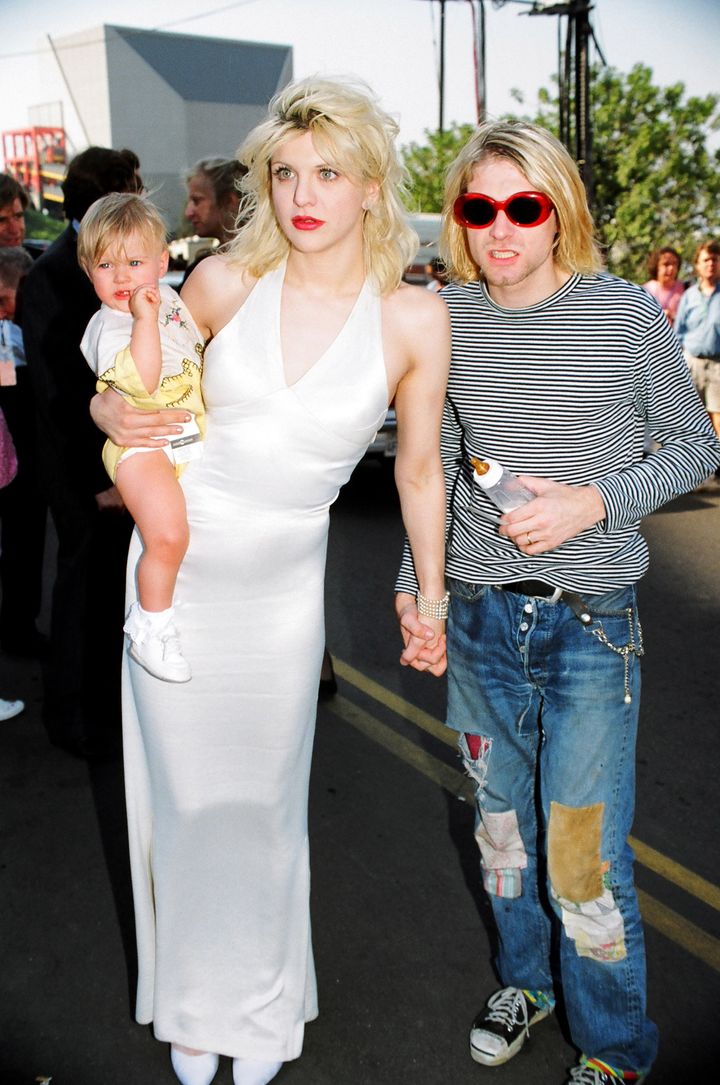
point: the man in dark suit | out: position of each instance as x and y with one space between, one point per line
82 679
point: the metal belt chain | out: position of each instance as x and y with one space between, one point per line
627 650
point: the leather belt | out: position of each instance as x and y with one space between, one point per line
537 588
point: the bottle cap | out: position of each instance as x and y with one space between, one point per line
492 475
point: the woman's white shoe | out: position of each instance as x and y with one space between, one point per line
194 1069
254 1072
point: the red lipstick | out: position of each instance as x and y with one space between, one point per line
306 222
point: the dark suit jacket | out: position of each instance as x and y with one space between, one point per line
82 678
56 304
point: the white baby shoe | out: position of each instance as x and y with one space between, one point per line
155 644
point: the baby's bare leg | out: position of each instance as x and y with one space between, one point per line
154 498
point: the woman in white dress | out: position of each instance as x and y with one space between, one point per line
311 334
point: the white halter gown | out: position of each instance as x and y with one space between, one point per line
217 769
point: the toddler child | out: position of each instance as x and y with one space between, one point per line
144 344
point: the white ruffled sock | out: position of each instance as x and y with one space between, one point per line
253 1071
194 1069
139 623
156 619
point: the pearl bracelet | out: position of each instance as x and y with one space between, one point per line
433 608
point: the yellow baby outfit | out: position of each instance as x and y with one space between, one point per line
106 346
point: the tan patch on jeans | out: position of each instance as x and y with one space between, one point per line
574 865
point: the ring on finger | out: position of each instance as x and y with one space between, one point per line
529 539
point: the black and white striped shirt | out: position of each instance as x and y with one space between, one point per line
565 390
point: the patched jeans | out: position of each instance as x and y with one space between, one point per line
547 707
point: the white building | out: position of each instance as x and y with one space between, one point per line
171 98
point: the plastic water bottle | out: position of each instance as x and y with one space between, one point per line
502 487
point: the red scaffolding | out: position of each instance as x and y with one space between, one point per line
36 157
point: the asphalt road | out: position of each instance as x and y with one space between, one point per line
401 930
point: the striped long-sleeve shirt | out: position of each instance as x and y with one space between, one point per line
565 390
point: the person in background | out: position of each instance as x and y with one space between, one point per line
213 197
435 272
13 204
81 704
23 507
556 370
698 328
14 266
8 467
663 284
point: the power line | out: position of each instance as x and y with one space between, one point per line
129 31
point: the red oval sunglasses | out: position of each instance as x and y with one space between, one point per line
478 211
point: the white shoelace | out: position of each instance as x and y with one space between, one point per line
508 1007
170 641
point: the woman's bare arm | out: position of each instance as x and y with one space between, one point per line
421 320
130 427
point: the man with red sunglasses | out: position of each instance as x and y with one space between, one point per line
557 368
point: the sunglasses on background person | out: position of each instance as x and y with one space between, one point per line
478 211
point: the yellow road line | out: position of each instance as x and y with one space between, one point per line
437 771
667 868
396 703
685 934
673 872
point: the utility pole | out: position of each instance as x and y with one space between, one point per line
574 72
479 56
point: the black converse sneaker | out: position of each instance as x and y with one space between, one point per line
501 1029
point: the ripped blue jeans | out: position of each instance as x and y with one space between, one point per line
551 708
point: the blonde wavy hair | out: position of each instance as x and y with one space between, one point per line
549 169
355 136
110 221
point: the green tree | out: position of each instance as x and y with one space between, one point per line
427 164
42 226
657 181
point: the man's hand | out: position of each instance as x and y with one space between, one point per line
425 642
558 513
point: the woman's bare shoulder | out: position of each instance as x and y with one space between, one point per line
215 291
414 305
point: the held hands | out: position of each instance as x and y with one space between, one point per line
145 302
558 513
425 642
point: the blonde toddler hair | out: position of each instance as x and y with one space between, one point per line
111 220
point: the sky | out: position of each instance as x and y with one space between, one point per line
391 44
